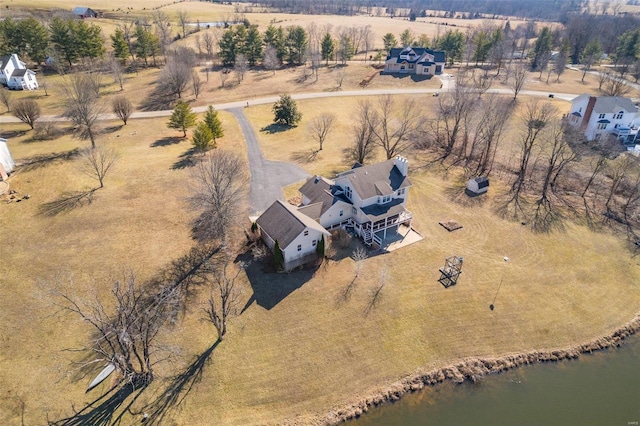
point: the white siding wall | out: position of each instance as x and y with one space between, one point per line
306 242
332 215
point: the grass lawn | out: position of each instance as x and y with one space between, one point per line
300 347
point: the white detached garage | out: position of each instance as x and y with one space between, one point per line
6 161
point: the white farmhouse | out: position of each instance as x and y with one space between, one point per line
15 75
371 199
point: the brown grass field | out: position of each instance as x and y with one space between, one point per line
300 348
294 357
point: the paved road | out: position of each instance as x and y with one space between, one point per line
267 177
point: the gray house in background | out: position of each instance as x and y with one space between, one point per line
84 12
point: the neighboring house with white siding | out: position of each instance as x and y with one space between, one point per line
602 115
15 75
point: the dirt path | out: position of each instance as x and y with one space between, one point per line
267 177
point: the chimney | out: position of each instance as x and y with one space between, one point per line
588 111
402 164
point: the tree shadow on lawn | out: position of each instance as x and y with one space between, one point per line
167 141
275 128
187 159
104 410
177 389
38 161
270 287
157 101
13 134
67 202
305 157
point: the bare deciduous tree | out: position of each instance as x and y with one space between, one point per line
615 86
270 59
27 111
496 111
536 117
320 127
97 161
219 186
518 78
175 77
362 148
224 76
183 20
122 108
391 126
126 331
196 83
558 155
341 74
81 104
224 296
598 166
116 70
5 98
209 43
162 24
240 67
453 111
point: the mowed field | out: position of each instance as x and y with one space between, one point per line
300 348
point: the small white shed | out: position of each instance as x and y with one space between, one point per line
6 161
478 185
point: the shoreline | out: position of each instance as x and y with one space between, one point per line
474 369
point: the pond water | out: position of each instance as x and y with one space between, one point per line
598 389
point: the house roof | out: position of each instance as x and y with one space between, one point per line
319 190
378 211
396 52
609 104
481 181
4 60
283 223
19 72
83 10
376 179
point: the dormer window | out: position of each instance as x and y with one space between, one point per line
619 115
384 199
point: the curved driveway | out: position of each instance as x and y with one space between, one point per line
267 177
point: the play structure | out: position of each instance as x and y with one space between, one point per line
451 271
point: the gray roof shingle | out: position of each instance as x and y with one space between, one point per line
283 223
376 179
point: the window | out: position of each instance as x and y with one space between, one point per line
401 191
341 212
602 126
619 115
306 233
354 211
347 192
384 199
601 116
580 110
299 247
313 243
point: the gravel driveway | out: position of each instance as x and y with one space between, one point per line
267 177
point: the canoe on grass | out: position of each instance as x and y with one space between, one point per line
102 376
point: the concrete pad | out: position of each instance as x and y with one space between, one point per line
402 238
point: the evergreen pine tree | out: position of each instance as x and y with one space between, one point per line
182 117
214 124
